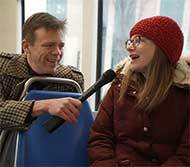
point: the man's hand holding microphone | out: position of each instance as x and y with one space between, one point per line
67 109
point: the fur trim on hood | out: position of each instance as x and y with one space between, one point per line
181 75
123 66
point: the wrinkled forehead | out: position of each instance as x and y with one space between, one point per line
43 33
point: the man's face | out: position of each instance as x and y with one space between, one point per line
46 52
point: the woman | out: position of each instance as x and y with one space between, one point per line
144 118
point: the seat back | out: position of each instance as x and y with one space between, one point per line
65 147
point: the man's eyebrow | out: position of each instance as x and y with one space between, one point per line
54 42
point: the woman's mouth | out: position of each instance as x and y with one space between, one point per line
134 56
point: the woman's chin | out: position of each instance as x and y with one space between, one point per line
136 68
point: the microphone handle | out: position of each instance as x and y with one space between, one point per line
55 122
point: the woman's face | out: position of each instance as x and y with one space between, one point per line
141 52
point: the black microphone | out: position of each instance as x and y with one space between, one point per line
107 77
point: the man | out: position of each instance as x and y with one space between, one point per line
43 43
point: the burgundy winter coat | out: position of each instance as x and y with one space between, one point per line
120 137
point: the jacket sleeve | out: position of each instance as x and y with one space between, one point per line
182 156
101 140
14 114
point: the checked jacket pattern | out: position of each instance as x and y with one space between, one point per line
14 71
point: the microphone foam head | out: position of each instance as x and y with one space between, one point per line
108 76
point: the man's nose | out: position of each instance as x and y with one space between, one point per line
57 50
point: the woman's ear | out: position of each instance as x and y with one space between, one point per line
25 46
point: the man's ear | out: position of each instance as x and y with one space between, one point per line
25 46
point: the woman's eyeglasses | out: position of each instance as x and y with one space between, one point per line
135 41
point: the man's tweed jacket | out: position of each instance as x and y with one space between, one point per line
14 71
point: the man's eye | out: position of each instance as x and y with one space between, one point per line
49 45
61 46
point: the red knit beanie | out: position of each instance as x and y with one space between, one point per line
164 32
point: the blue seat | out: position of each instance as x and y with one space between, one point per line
65 147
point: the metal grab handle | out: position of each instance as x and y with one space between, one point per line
51 80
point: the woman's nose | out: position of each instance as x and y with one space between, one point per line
130 47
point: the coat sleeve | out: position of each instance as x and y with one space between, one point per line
182 156
101 140
14 114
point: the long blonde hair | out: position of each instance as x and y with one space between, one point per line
153 87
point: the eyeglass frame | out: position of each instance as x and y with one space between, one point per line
135 41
